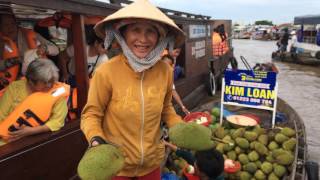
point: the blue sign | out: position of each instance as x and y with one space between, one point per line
254 88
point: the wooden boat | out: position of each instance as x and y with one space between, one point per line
56 155
301 58
292 120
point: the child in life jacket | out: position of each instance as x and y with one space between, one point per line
204 165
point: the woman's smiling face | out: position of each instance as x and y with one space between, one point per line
141 38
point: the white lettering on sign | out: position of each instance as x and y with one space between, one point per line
199 49
197 31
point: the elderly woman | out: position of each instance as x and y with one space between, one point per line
41 76
130 94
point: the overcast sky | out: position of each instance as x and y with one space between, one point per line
245 11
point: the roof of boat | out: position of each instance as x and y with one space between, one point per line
307 19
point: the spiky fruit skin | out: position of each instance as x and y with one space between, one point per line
100 163
191 136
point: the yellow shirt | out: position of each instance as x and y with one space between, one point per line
17 92
125 108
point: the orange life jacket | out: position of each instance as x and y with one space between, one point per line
30 37
10 52
72 104
219 47
35 110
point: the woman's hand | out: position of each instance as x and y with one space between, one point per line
171 146
21 132
185 110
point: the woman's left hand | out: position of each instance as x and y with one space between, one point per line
21 132
185 110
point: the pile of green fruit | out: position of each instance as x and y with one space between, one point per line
262 154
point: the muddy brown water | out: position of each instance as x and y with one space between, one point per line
299 86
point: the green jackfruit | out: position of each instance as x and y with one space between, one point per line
252 144
245 175
250 136
288 132
290 144
259 175
238 133
243 158
100 163
259 130
285 158
279 170
263 138
258 163
280 138
238 150
253 156
220 147
250 167
266 167
260 148
272 176
273 145
277 152
220 132
229 146
215 111
184 134
232 155
270 158
242 143
271 135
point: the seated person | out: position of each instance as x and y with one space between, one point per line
41 76
96 55
208 164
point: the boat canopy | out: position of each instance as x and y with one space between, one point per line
308 19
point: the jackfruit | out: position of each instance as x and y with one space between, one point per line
229 146
258 163
100 163
250 136
263 138
271 135
232 155
250 167
238 150
253 156
273 145
279 170
290 144
270 158
191 136
259 130
266 167
273 176
288 132
277 152
242 143
252 144
238 133
216 112
280 138
220 147
243 158
245 175
285 158
259 175
220 132
260 148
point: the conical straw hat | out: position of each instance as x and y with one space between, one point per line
142 9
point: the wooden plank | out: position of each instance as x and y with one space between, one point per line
80 55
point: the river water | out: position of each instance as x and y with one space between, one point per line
299 86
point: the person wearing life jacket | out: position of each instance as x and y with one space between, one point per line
9 62
35 104
26 39
219 41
